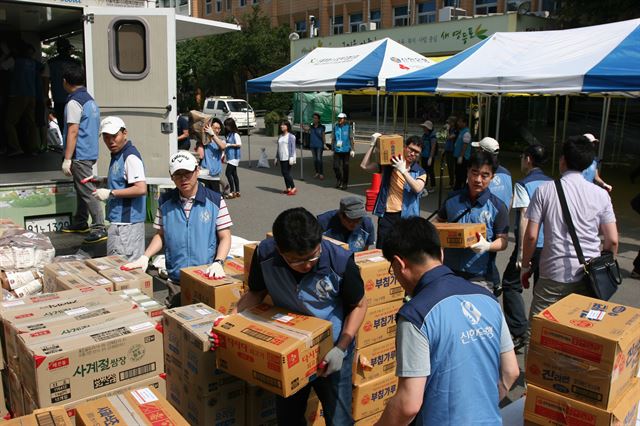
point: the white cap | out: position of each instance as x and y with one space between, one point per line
182 160
488 144
112 125
591 138
342 115
428 124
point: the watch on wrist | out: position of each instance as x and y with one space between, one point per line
220 261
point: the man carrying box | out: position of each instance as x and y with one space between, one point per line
455 360
402 184
306 274
193 224
126 195
350 224
476 204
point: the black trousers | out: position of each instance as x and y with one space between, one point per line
461 174
513 304
232 177
285 168
386 224
341 167
451 166
431 175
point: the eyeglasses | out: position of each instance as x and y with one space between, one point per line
300 262
414 151
182 175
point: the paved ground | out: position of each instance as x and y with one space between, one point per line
262 200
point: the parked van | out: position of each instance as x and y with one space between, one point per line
224 107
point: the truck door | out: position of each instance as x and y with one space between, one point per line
131 72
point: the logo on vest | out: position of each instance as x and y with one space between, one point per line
496 181
485 217
324 288
116 168
471 312
205 216
473 315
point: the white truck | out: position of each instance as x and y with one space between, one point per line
129 54
224 107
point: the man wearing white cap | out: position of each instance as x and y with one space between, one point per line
429 149
126 192
501 184
342 149
193 226
591 173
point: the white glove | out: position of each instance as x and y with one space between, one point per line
292 161
66 167
352 153
374 138
332 362
141 263
429 162
482 246
459 160
102 194
209 130
215 271
399 164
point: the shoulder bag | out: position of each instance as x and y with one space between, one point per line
602 273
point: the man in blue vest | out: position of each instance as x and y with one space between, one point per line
501 185
476 204
126 192
454 356
193 227
531 161
80 150
304 273
342 139
401 187
350 224
462 152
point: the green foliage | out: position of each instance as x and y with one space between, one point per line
220 65
271 121
580 13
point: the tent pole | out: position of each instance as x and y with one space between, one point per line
301 139
395 111
565 122
606 105
248 128
377 110
487 118
480 116
406 114
624 118
555 132
386 104
498 117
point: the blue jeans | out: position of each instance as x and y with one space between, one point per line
316 153
334 393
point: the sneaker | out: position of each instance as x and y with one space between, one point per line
96 235
635 274
236 195
82 228
338 185
344 187
519 342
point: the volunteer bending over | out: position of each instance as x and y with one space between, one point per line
304 273
193 226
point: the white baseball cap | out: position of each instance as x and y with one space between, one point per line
487 144
342 115
111 125
182 160
591 138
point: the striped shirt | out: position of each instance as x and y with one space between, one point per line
222 222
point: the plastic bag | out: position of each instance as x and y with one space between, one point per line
263 161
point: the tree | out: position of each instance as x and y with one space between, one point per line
220 65
582 13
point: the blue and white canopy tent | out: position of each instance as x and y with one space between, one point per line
602 59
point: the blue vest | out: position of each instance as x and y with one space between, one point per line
212 160
448 145
124 210
501 186
342 133
457 147
590 172
485 210
89 128
233 153
531 182
316 136
357 240
427 141
463 325
410 200
318 293
193 241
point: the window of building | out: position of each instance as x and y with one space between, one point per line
228 4
550 5
512 5
208 7
355 19
483 7
427 12
400 16
243 3
374 16
218 6
451 3
338 25
301 28
129 49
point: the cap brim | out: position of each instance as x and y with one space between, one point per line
110 130
475 144
358 214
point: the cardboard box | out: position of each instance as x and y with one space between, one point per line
87 279
3 405
16 396
371 397
374 361
379 324
234 266
273 348
459 235
9 305
108 262
221 294
52 416
225 406
53 270
389 146
249 250
586 359
379 285
550 408
123 280
314 414
369 421
260 407
139 407
58 372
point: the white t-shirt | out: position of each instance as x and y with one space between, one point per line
520 197
134 169
283 148
236 141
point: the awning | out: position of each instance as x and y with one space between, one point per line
188 27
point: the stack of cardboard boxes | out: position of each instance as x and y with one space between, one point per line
63 348
582 364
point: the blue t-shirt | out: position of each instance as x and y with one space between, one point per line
316 136
183 124
358 239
